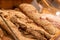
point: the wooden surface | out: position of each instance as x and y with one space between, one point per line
8 4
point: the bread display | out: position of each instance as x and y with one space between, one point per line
34 14
26 23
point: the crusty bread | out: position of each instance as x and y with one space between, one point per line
27 25
4 35
34 14
12 26
22 18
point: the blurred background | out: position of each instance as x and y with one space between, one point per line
46 6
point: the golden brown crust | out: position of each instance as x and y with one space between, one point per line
34 14
4 35
24 20
27 25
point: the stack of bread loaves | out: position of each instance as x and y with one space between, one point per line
28 24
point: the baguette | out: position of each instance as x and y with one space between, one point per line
31 12
25 20
10 17
14 29
4 35
29 23
29 30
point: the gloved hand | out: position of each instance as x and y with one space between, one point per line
55 20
